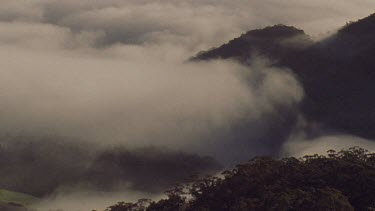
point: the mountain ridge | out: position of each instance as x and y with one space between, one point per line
270 40
337 73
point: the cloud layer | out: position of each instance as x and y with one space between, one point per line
321 145
193 24
115 73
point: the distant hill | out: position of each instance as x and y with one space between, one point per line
337 73
40 165
12 207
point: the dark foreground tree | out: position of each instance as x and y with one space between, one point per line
342 180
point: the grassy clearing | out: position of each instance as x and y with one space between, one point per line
18 198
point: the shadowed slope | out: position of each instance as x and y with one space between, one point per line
337 73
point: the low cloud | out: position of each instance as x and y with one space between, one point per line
196 25
115 74
320 145
57 86
137 95
90 200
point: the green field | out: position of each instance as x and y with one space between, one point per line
18 198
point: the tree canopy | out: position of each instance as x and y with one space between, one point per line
343 180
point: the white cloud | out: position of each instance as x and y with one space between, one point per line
89 200
193 24
134 99
320 145
115 72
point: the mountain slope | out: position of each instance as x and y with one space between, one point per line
338 77
274 42
337 73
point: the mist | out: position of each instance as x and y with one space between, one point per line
91 200
95 83
320 145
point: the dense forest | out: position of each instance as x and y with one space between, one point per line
343 180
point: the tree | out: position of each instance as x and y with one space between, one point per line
343 180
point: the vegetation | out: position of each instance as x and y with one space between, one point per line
343 180
14 201
16 198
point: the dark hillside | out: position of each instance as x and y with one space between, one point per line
273 42
337 73
338 77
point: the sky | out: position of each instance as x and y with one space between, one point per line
116 73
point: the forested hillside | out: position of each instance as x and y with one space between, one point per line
343 180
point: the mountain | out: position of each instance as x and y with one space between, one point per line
337 73
273 42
